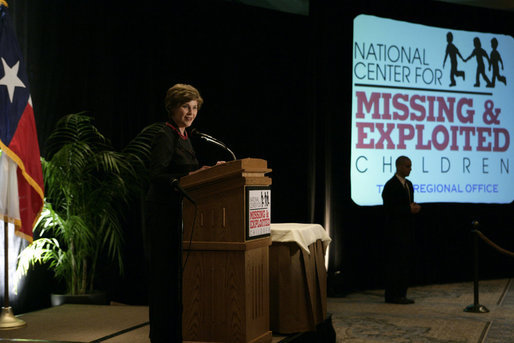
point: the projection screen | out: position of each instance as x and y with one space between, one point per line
440 96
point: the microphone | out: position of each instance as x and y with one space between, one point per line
213 140
176 184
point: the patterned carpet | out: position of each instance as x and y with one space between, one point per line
436 317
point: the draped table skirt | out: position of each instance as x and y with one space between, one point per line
298 277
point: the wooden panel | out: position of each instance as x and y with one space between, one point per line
213 305
220 216
241 246
221 212
257 292
226 296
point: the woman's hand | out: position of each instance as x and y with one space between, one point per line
198 170
205 167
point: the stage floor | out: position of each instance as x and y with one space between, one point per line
85 323
436 317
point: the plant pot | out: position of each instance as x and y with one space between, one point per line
95 298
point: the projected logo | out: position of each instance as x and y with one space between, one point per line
442 97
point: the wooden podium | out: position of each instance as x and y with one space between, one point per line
226 276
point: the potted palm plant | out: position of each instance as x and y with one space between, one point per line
88 185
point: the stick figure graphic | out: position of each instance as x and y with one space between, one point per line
453 52
480 53
494 61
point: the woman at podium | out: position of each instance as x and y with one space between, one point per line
172 157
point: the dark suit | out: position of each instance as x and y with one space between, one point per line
398 237
172 157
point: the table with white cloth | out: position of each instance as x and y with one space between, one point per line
298 277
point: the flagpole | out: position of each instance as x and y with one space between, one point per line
7 319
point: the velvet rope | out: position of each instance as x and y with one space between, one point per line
494 245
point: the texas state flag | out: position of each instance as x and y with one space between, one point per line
21 178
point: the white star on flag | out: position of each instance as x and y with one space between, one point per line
11 79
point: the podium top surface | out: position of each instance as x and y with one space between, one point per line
249 166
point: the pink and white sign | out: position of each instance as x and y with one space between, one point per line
259 212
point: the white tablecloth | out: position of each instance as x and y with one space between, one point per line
303 234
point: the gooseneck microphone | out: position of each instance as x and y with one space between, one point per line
213 140
176 184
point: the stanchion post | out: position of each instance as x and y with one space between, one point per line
475 307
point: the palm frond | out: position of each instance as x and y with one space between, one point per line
88 185
73 128
40 251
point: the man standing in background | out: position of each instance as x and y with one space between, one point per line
399 205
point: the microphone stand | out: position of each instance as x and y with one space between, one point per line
214 141
175 183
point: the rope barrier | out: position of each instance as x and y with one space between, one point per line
494 245
476 307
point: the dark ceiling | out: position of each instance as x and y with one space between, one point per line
302 6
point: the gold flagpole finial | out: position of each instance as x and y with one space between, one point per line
3 2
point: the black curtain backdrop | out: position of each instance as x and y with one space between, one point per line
116 59
276 86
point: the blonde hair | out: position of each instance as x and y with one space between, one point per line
179 94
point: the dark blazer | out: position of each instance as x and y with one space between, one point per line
172 157
396 199
398 237
397 209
